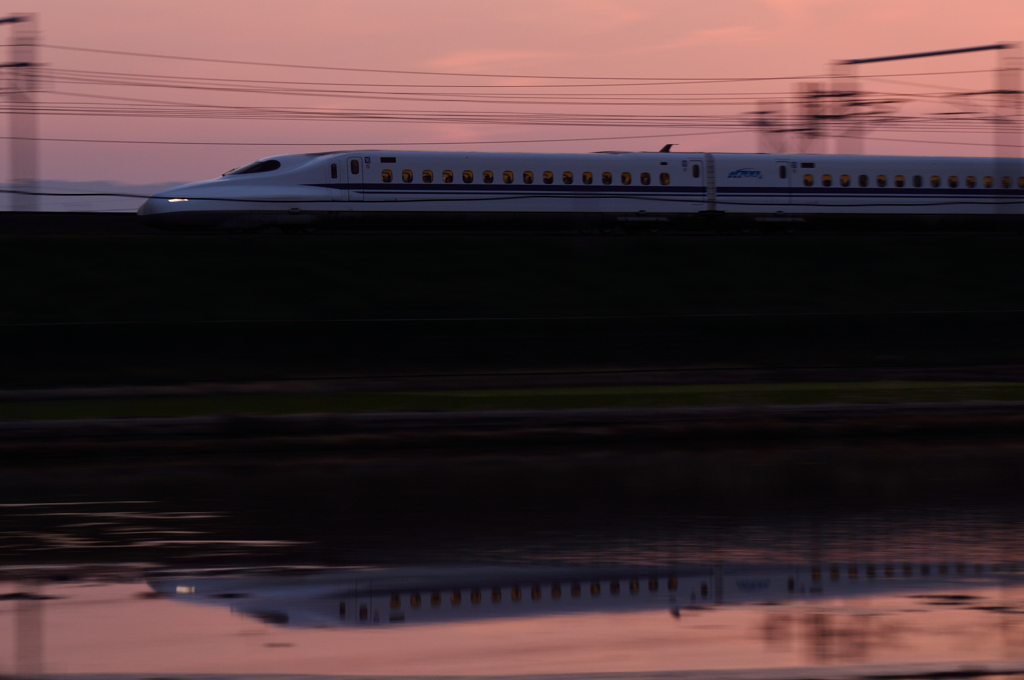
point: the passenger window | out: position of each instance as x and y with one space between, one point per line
516 594
782 172
645 178
527 177
970 182
808 180
556 591
613 587
989 183
899 181
456 597
588 178
665 179
574 590
954 181
467 176
935 181
507 177
696 170
627 178
862 181
595 588
844 180
535 593
495 595
447 176
548 177
428 176
353 166
385 175
918 181
606 178
474 596
406 176
652 585
1006 182
414 600
1020 182
881 180
566 178
488 177
826 180
634 586
334 171
396 602
435 599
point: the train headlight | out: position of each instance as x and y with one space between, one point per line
177 200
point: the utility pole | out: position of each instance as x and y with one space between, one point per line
22 80
848 104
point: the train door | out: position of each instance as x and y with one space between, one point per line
354 173
336 184
783 182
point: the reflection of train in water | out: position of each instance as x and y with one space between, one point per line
438 595
300 191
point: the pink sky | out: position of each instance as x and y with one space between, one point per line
106 628
607 38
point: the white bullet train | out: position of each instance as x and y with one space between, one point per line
304 191
434 595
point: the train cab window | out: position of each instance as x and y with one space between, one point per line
548 177
447 176
935 181
353 166
334 171
527 177
918 181
862 181
844 180
467 176
782 171
428 176
606 178
826 180
507 177
566 178
989 182
261 166
881 180
627 178
808 180
970 182
899 180
406 176
696 170
456 597
588 178
488 177
953 181
385 175
665 179
645 178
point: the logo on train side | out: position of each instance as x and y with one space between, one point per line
746 173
